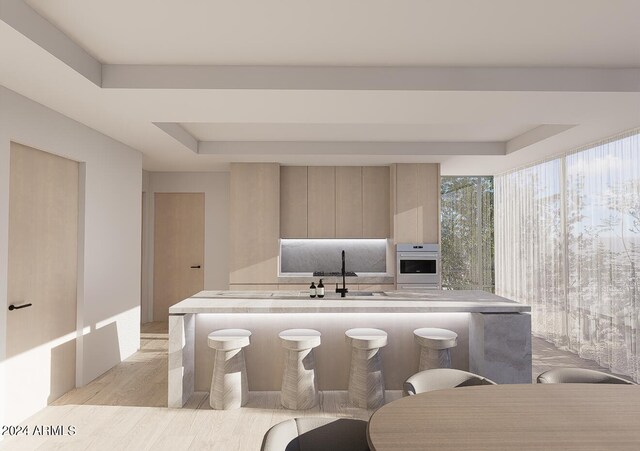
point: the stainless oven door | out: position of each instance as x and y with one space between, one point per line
418 267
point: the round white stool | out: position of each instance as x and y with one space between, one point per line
299 384
366 381
435 347
229 387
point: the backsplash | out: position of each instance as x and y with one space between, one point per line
309 255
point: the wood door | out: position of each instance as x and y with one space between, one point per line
43 255
178 250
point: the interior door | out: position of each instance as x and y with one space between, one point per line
178 252
43 249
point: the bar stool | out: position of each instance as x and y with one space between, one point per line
299 383
435 347
366 381
229 387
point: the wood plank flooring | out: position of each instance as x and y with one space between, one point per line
124 409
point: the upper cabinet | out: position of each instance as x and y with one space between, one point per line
375 202
254 213
415 203
321 202
293 202
349 202
334 202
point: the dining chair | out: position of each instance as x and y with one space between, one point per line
579 376
441 378
317 434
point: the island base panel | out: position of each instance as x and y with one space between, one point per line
500 347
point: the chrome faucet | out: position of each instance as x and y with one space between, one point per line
343 291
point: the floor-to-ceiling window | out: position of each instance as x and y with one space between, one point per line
568 244
467 233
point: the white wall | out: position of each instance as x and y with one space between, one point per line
109 264
215 186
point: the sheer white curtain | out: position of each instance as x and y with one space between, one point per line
568 243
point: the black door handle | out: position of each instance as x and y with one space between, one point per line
19 306
195 267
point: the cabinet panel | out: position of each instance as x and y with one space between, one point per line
406 204
254 223
293 202
416 203
375 202
321 198
429 203
349 202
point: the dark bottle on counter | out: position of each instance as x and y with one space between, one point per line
312 290
320 289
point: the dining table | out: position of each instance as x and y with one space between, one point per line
519 417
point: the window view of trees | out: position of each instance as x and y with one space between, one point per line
467 233
568 244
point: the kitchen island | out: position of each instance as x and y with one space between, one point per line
494 334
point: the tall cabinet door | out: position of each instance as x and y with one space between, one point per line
375 202
43 251
349 202
405 218
321 205
428 203
254 223
293 201
178 250
416 203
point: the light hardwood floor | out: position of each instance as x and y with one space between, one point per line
124 408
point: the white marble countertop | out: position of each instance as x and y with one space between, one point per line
473 301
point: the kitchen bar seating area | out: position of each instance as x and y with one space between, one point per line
320 226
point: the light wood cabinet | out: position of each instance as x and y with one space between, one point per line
428 203
375 202
335 202
293 202
416 203
254 223
349 202
321 198
405 219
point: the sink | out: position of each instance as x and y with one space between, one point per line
329 295
355 294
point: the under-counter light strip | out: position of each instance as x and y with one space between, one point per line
334 240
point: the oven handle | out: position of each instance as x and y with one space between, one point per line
419 287
433 255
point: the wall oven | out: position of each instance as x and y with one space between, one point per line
418 267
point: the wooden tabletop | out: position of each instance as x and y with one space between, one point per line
511 417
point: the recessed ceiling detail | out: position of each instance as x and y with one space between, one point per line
359 132
476 86
232 139
474 33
